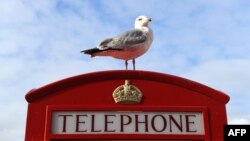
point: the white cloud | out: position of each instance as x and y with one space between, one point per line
228 75
239 121
13 121
14 11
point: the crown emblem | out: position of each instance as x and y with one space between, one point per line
127 94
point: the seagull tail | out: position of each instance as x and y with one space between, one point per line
91 51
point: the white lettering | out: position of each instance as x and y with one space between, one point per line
235 132
243 131
231 132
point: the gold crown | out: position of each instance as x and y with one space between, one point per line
127 94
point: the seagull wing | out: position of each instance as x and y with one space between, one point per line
129 38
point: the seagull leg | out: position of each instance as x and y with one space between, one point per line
133 63
126 64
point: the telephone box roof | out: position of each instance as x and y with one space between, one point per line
49 89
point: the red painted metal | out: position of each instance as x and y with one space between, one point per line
93 91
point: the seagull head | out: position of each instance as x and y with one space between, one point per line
142 21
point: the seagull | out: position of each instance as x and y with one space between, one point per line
128 45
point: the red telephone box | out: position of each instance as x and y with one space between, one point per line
125 105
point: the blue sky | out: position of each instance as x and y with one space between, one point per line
203 40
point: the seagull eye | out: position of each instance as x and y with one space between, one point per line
140 19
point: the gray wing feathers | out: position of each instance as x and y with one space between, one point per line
105 44
129 38
134 37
